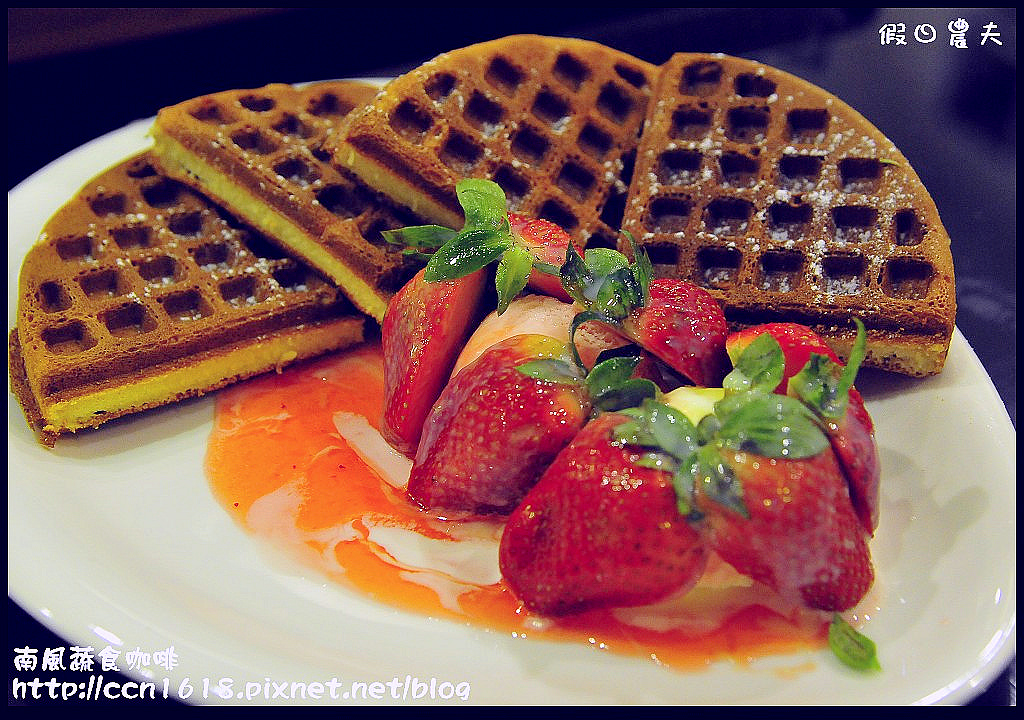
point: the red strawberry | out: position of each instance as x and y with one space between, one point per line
851 434
599 530
799 534
547 243
528 251
494 429
683 326
503 417
853 441
797 343
423 331
676 321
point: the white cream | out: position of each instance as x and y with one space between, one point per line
366 442
472 561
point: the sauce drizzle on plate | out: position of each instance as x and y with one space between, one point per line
279 466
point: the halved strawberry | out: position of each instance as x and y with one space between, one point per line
423 331
503 418
813 372
676 321
599 529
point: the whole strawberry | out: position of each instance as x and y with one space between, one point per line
599 529
813 372
503 418
546 243
795 531
677 322
768 489
758 479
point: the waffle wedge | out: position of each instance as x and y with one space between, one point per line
260 153
788 205
553 121
140 293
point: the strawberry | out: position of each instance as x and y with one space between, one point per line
796 531
528 250
796 341
677 322
547 243
809 363
424 328
503 418
599 529
682 325
759 481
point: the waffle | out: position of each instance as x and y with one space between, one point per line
553 121
140 293
790 206
260 153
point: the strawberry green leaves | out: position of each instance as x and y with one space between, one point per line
512 275
752 421
671 443
483 204
851 647
422 240
484 238
825 385
610 385
761 366
767 424
605 282
488 235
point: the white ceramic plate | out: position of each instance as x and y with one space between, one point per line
114 538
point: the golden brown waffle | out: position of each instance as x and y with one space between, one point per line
140 293
553 121
260 153
790 206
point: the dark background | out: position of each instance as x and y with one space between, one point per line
75 74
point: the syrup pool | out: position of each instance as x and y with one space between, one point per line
279 462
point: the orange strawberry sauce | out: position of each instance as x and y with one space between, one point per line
277 464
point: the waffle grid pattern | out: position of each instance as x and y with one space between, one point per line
138 269
553 122
272 140
783 202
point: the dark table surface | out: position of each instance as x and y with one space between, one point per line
952 111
